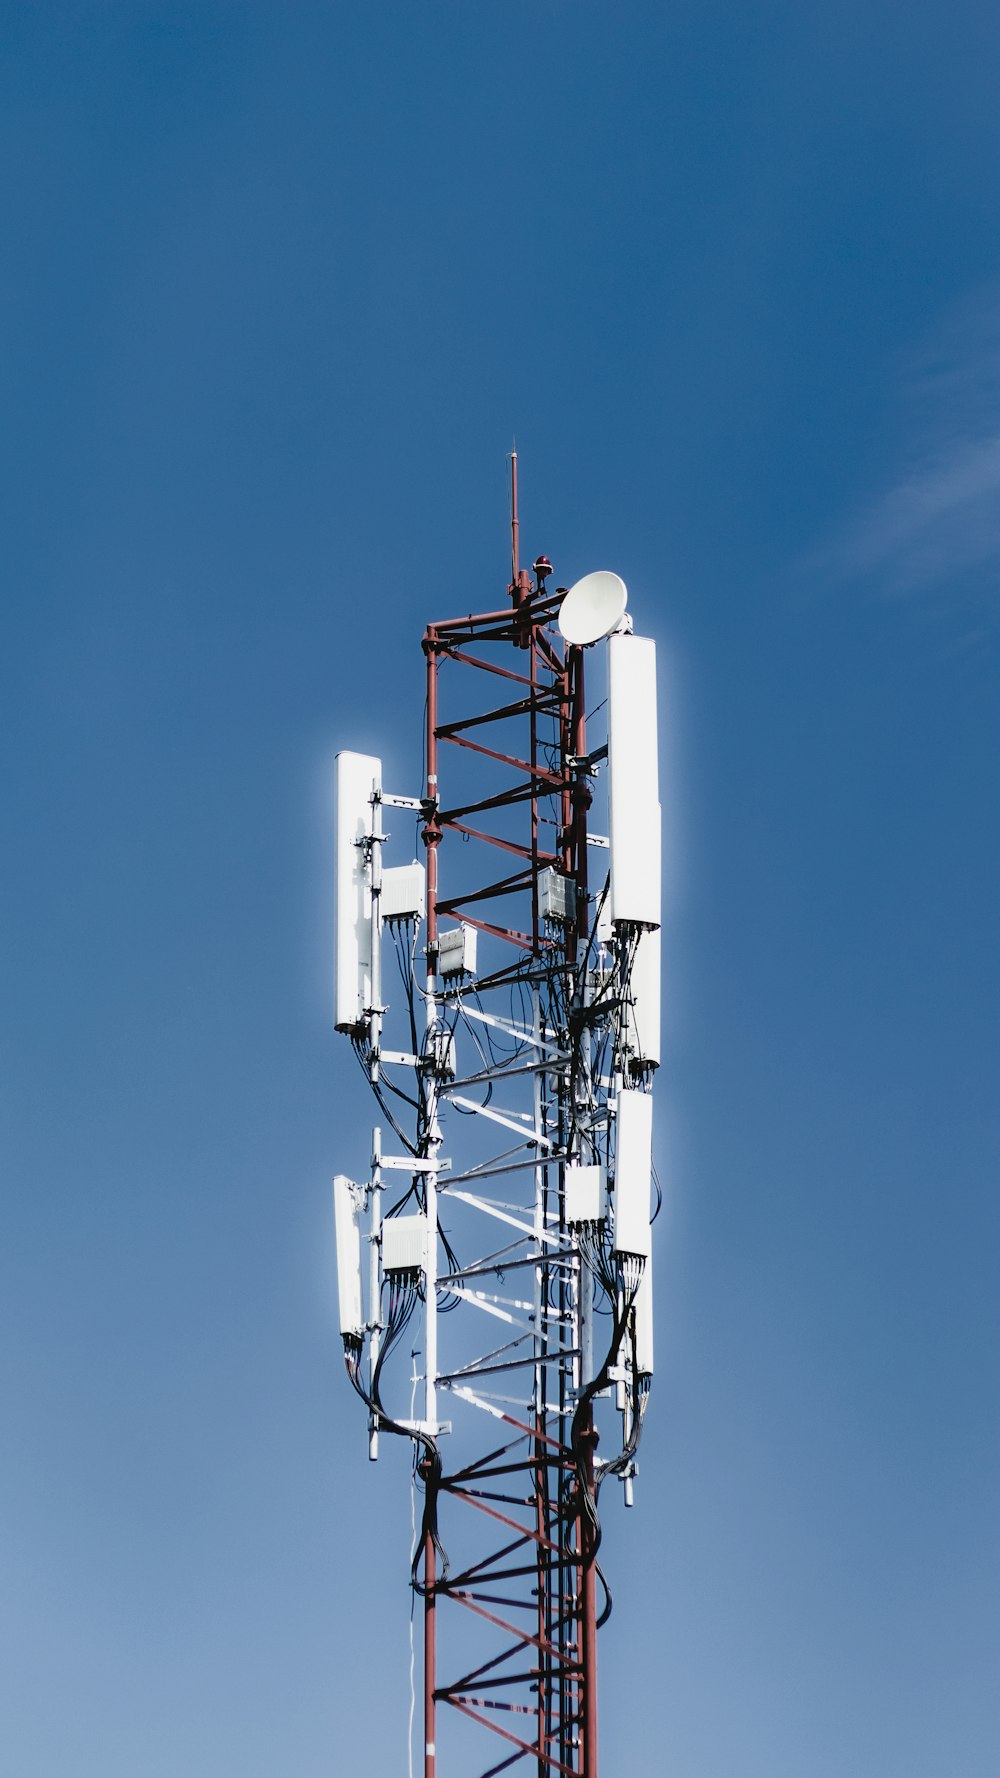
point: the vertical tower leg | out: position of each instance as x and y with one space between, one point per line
430 1667
588 1609
541 1521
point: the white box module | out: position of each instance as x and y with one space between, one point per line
633 1171
556 896
404 1243
633 780
403 892
346 1209
457 951
586 1190
356 775
441 1045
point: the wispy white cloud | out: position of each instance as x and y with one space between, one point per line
936 523
942 519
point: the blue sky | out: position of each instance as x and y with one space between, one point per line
279 285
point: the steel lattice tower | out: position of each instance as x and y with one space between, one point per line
521 1257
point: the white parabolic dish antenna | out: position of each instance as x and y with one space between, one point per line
593 607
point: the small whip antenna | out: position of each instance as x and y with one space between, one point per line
515 529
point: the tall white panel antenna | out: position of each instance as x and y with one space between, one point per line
642 1019
346 1210
633 781
633 1171
357 775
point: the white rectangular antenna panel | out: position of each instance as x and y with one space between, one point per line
633 1170
346 1211
586 1190
457 950
404 893
643 1017
644 1321
357 774
404 1243
633 780
556 896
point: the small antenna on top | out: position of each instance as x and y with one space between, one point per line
515 529
520 580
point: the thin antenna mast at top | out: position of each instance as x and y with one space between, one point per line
520 579
515 543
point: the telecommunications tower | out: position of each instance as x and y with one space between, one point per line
494 1270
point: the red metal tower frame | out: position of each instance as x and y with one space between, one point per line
510 1621
537 1488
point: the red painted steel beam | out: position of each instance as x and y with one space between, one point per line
504 886
514 1630
551 1762
536 1538
505 759
516 793
492 839
505 1764
540 700
471 660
